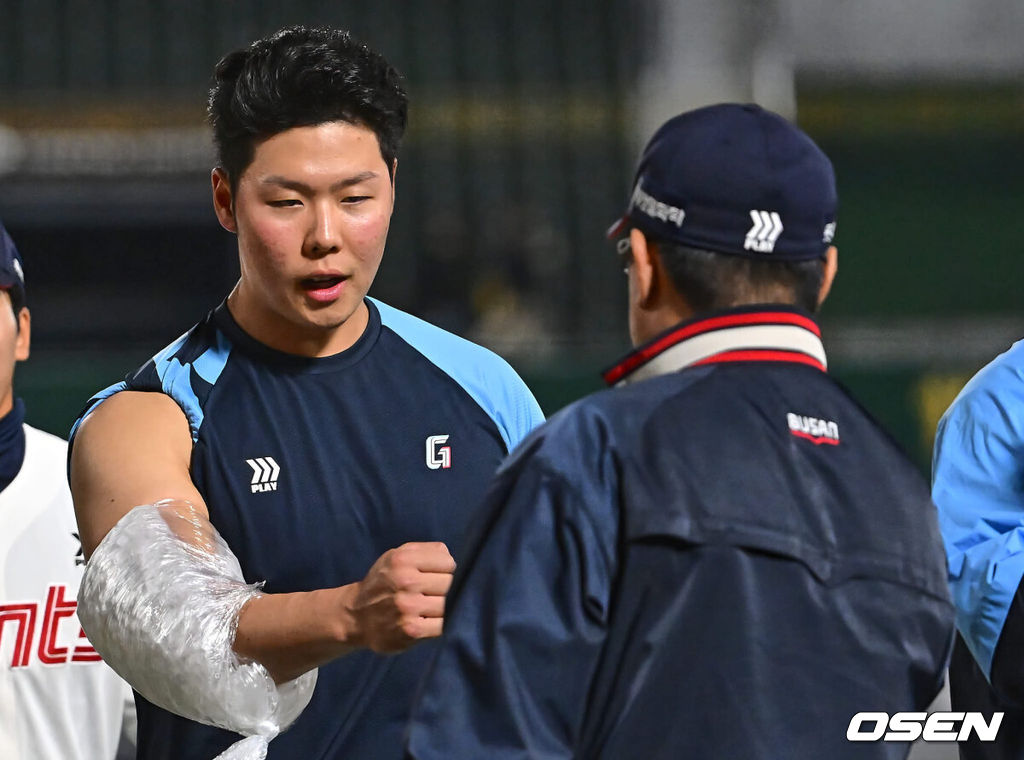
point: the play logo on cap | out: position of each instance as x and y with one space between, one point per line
735 179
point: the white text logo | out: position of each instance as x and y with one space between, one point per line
264 474
814 430
438 456
766 230
655 208
829 233
911 726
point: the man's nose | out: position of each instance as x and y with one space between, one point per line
324 235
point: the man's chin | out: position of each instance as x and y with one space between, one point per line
330 316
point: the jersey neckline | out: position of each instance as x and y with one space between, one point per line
225 322
774 333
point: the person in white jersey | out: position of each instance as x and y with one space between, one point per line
58 701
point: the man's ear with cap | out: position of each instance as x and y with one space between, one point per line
831 267
642 270
654 289
24 339
223 199
654 303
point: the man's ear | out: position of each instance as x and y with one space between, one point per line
831 267
223 199
24 338
642 269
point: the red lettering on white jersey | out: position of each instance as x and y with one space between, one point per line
57 608
20 618
24 617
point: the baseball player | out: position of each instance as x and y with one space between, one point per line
58 701
723 556
275 499
978 487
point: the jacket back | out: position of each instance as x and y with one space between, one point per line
727 560
780 569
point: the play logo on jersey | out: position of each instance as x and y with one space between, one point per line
53 620
265 472
813 429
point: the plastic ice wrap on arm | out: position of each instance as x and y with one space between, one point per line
160 601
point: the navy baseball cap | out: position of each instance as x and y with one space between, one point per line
12 275
734 179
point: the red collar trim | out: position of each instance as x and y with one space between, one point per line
762 355
733 352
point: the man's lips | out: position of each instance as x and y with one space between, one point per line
323 288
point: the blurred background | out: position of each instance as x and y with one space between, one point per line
526 120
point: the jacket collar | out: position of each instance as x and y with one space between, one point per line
760 333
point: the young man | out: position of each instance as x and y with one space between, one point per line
58 701
724 556
337 445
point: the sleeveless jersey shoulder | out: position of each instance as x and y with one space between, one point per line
186 370
484 375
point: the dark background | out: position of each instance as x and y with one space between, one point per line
518 156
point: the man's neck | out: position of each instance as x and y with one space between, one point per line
278 333
6 401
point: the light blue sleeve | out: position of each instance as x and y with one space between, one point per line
978 487
484 375
178 379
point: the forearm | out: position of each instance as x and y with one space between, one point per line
398 603
290 634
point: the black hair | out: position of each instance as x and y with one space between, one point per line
300 77
710 281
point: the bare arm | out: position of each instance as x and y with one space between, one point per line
135 449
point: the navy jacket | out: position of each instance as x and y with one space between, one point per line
313 468
726 557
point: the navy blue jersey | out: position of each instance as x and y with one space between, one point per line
311 468
726 558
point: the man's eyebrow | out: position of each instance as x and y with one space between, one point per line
302 187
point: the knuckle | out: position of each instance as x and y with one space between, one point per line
405 603
402 556
404 579
411 627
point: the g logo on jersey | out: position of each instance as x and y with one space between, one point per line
439 457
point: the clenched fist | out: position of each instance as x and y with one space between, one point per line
401 599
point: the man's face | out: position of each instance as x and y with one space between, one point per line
312 212
14 346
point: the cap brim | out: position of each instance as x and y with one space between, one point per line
618 228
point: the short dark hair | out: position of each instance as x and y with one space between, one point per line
300 77
710 281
